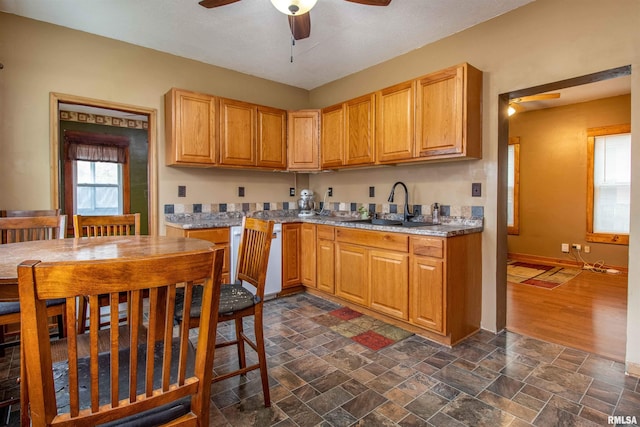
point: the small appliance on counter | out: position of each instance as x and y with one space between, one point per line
306 203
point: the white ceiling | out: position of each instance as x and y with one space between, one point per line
252 37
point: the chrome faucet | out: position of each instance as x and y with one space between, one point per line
406 199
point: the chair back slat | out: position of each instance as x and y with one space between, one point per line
253 252
26 229
106 225
125 350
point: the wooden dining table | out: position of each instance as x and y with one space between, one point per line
89 249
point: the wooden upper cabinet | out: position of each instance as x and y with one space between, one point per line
332 137
190 125
252 135
303 130
395 123
237 133
359 130
449 114
271 147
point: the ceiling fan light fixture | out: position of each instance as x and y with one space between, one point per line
294 7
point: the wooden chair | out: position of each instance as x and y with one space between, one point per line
146 375
39 212
238 302
106 225
24 229
101 226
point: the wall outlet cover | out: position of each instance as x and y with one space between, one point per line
292 191
240 191
182 191
476 189
372 191
330 192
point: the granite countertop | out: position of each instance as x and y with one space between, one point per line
448 227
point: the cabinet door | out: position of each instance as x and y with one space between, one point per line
360 126
190 128
219 236
440 113
427 294
332 137
308 254
271 143
325 277
395 124
389 279
237 133
352 272
290 255
303 139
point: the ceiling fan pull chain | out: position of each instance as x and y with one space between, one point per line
293 43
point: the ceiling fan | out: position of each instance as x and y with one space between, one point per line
298 11
515 107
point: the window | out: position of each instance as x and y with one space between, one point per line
609 184
513 186
96 174
98 188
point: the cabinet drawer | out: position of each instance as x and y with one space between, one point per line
427 246
326 232
374 239
215 235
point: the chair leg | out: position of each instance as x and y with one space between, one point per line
262 357
242 360
2 340
25 420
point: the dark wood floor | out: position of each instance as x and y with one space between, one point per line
588 313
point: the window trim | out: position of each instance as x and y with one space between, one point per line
515 228
592 133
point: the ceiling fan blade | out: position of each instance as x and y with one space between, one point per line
372 2
539 97
215 3
300 26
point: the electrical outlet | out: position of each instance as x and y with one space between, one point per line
476 189
330 191
240 191
576 246
565 248
292 191
182 191
587 249
372 191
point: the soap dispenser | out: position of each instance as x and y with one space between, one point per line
435 213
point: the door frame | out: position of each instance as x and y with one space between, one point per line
503 143
152 158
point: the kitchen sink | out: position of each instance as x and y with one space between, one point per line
394 222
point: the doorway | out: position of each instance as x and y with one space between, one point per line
503 139
150 192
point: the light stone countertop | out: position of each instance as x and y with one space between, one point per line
448 228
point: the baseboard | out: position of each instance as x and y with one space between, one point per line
561 262
633 369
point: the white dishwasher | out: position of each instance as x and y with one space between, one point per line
274 269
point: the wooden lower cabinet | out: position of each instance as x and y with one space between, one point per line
352 273
325 259
291 245
427 294
219 236
389 283
308 254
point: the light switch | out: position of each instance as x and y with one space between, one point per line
476 189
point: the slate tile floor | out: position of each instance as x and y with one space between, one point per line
321 378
